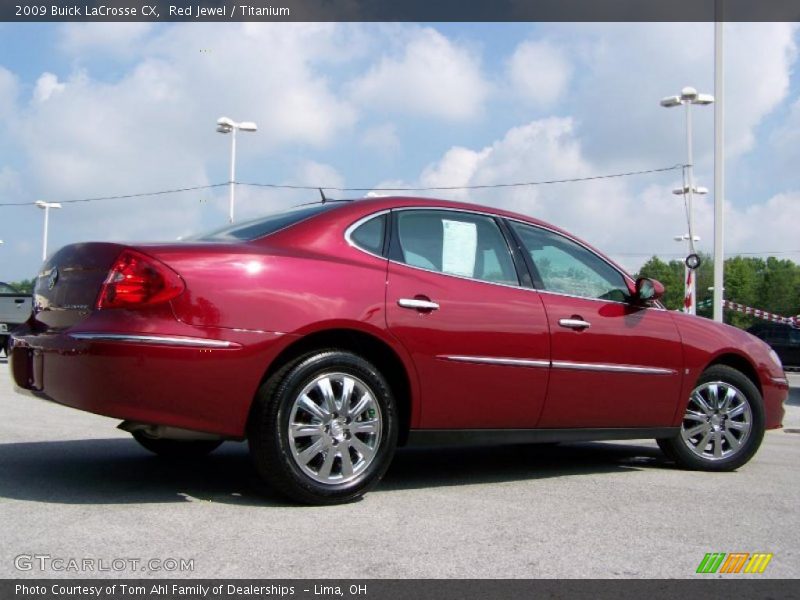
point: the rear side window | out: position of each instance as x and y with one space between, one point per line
455 243
256 228
7 289
370 234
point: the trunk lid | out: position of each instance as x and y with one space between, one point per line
69 282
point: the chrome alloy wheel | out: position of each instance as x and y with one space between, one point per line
717 422
335 428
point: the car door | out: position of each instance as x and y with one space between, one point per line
478 338
614 364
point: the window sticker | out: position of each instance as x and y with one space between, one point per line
459 246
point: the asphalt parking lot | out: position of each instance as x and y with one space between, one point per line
72 486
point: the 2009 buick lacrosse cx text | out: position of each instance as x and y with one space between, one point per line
330 334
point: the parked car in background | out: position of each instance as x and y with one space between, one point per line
331 333
15 308
784 339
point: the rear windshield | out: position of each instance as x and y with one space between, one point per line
256 228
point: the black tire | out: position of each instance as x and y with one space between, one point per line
5 345
176 448
273 450
687 452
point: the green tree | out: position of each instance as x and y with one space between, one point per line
772 285
25 286
780 287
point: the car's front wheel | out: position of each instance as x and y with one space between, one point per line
323 429
723 423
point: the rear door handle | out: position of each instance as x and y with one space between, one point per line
19 300
574 323
417 304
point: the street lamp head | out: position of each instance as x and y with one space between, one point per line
703 99
671 101
685 190
224 129
688 94
226 122
42 204
248 126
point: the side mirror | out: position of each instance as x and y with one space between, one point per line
647 290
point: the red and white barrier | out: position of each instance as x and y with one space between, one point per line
687 294
761 314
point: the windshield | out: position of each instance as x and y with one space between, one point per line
256 228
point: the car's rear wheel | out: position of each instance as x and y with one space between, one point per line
723 423
323 429
176 448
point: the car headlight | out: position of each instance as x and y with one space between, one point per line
775 358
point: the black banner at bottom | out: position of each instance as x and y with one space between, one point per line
393 589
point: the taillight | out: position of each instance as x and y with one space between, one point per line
138 280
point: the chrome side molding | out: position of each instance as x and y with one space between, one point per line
491 360
579 366
158 340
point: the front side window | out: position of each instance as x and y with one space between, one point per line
455 243
568 268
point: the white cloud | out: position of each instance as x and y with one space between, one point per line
9 88
759 60
46 86
382 138
623 70
539 72
778 216
104 39
314 173
9 182
152 126
627 223
431 76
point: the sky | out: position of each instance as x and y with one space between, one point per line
99 109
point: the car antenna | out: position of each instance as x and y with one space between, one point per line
322 193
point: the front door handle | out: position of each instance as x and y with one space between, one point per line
574 322
417 304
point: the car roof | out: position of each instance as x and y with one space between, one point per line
375 204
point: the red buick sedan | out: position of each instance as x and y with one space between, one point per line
329 334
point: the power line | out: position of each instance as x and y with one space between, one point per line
463 187
361 189
124 196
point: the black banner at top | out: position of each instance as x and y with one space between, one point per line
399 10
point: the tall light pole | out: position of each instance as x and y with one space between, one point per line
688 97
719 165
46 206
226 125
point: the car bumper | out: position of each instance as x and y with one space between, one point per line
203 380
775 392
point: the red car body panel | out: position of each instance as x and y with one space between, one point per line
623 335
245 303
703 345
476 319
